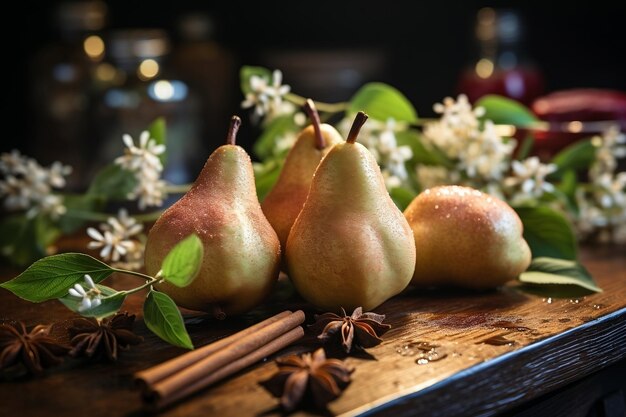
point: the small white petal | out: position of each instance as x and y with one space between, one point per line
143 139
95 302
128 140
79 289
89 281
85 304
75 293
94 234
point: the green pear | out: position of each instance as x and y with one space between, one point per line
241 250
284 202
350 245
466 238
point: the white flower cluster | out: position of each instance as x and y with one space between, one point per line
267 99
481 156
143 160
119 240
29 186
380 139
602 207
528 181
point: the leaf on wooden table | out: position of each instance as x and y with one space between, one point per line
163 318
51 277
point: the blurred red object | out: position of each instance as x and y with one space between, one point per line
576 113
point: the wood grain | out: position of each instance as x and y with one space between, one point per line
552 343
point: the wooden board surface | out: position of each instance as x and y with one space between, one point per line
493 351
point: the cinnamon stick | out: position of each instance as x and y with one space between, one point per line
159 372
156 401
169 382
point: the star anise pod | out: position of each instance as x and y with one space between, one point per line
36 349
310 379
359 331
95 339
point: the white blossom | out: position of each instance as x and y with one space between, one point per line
26 185
144 157
609 147
528 181
267 99
429 176
143 160
90 298
475 148
119 240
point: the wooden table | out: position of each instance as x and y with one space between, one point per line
495 352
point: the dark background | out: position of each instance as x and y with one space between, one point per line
425 44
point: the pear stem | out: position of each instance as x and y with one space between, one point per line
359 121
311 111
231 137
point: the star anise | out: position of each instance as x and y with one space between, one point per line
36 349
95 339
310 379
358 331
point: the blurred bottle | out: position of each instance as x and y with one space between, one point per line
143 88
209 69
62 86
502 65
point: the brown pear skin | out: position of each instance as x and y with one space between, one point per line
350 245
284 202
465 238
241 250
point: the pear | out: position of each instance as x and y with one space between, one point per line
241 250
350 246
466 238
284 202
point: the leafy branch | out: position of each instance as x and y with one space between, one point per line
59 277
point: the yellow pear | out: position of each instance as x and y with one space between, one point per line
241 249
466 238
350 245
284 202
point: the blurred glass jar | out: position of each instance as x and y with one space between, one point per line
502 65
143 88
62 86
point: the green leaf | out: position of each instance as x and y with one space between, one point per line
421 153
247 72
72 221
545 270
111 303
182 263
553 290
24 240
265 145
548 232
578 155
113 182
402 197
503 110
381 102
525 147
164 319
158 132
51 277
266 177
567 187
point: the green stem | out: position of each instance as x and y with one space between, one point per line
103 217
135 273
141 287
325 107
